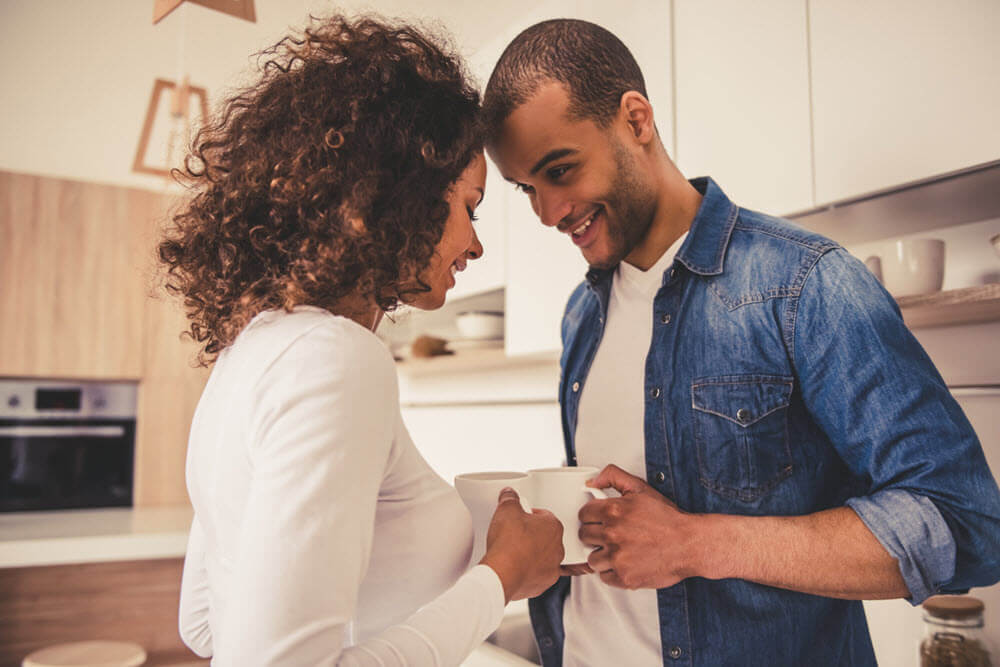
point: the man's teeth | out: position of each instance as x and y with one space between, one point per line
582 228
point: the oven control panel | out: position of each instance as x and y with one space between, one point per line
67 399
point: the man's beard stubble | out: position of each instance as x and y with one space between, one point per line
634 206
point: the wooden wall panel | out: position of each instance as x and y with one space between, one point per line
127 601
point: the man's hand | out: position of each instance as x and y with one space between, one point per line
645 540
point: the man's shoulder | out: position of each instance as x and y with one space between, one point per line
783 234
773 249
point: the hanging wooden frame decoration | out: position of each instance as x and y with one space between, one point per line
179 109
241 9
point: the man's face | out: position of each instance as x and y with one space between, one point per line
583 180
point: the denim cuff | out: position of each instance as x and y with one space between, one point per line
912 530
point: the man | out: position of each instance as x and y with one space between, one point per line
783 446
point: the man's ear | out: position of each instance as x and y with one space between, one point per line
637 112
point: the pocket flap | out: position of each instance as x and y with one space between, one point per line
742 399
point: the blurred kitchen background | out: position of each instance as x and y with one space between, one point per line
872 121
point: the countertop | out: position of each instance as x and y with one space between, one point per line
96 535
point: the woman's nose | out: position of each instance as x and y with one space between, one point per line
475 250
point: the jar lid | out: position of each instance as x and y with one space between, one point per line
953 606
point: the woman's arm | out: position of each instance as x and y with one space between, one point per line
325 433
195 595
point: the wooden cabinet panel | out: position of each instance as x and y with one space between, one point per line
71 263
742 99
166 406
126 601
902 90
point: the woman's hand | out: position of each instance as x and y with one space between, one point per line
523 549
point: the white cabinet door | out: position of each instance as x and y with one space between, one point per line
902 90
742 100
543 266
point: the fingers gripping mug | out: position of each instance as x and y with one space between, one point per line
480 492
563 491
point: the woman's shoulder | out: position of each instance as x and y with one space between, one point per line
309 340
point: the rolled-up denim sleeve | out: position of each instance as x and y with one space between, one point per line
912 530
924 487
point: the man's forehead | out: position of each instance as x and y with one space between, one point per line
534 129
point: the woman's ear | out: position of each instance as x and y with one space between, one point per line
637 112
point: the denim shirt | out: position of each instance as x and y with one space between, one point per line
781 380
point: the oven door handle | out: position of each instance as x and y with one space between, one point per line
61 431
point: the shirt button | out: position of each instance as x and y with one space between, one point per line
659 477
675 652
673 272
743 415
655 392
576 387
665 318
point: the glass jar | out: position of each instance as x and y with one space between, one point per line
953 633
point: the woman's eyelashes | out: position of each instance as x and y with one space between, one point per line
472 213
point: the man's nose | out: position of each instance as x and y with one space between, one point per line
550 208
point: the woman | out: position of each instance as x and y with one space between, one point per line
340 185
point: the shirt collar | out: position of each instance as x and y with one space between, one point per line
704 249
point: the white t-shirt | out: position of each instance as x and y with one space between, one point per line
321 536
605 625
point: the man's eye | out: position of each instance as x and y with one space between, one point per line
556 172
527 189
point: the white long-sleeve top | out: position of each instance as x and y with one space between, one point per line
321 536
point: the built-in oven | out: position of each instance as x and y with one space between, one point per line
66 444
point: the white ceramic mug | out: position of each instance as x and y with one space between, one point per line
480 492
563 491
911 266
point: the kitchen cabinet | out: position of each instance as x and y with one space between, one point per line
80 300
901 90
72 257
741 87
123 600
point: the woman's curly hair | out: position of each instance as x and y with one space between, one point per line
324 180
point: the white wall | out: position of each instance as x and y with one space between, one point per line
77 75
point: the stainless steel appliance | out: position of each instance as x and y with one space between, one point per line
66 444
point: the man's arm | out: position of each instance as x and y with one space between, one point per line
929 519
647 542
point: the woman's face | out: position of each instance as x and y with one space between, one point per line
459 243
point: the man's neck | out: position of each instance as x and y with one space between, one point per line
677 205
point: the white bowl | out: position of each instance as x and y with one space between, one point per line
910 267
480 324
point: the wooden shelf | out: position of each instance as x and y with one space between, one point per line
969 305
957 198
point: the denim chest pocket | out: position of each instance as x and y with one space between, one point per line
741 433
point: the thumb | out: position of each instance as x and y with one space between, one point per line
508 495
618 479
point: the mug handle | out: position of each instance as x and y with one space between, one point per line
597 493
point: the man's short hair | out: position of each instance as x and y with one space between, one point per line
593 64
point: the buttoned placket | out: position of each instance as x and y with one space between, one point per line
671 602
